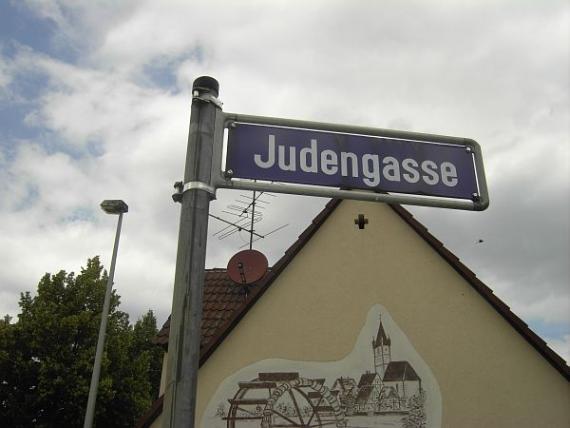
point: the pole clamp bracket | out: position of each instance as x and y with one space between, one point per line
199 185
192 185
207 98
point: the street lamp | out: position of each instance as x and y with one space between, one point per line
110 207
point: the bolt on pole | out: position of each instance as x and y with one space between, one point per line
186 318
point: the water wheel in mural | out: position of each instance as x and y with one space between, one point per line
284 400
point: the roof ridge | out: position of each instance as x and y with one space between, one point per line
486 292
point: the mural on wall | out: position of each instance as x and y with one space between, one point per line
383 382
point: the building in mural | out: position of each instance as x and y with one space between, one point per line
290 398
369 388
391 386
383 397
398 380
345 390
401 379
381 348
285 353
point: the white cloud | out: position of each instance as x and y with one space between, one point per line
5 77
497 73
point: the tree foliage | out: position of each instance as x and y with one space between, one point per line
46 357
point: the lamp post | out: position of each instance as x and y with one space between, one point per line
110 207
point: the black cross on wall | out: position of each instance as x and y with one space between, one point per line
361 221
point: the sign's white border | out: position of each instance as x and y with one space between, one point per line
223 179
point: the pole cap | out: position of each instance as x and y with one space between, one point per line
206 83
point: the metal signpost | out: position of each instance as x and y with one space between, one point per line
296 157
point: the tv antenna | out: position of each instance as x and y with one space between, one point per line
244 214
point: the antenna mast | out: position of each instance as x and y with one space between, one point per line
248 213
252 217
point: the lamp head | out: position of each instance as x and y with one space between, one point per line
114 206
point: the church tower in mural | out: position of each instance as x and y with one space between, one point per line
381 347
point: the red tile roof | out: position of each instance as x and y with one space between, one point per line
221 298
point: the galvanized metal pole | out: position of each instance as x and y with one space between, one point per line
184 339
90 412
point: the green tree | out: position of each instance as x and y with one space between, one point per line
145 330
46 357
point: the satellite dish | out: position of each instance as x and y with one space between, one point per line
247 267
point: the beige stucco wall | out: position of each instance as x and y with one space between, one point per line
489 376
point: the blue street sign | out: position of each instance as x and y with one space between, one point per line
352 161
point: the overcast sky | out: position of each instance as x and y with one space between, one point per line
94 104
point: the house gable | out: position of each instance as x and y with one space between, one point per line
344 270
434 299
